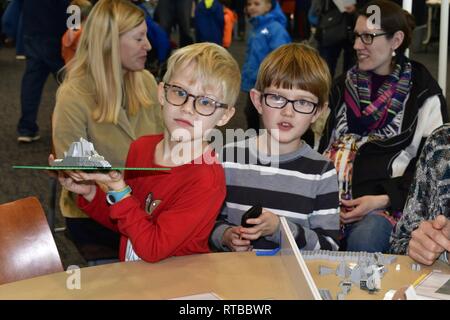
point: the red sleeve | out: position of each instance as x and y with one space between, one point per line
98 209
190 216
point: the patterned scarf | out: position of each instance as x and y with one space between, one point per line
364 116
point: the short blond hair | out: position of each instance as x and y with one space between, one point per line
296 66
213 65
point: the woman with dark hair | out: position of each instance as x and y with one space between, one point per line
382 110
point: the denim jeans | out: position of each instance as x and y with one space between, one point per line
43 57
370 234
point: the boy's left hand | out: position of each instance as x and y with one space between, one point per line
112 179
266 224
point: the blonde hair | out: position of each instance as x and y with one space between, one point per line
98 59
296 66
212 65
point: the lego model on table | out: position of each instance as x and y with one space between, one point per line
82 156
362 269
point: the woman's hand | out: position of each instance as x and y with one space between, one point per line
266 224
232 239
357 209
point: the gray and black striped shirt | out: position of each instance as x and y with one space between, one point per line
302 186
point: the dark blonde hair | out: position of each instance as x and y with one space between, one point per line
296 66
393 18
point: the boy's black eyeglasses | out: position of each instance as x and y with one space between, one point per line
367 38
202 105
279 102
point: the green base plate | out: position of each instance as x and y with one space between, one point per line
88 168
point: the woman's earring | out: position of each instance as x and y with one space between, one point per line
393 53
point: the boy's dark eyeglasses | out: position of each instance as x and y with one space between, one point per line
202 105
279 102
367 38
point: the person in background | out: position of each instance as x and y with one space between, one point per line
330 47
268 33
238 6
290 179
214 22
12 26
382 110
423 231
209 21
109 99
71 37
172 13
44 23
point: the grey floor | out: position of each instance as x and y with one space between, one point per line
17 184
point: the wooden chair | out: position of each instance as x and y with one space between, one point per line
27 247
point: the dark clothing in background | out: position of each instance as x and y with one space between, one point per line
44 23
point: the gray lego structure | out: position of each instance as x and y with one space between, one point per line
323 270
81 154
366 272
325 294
415 267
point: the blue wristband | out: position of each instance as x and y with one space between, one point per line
112 197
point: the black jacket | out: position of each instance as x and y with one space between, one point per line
373 165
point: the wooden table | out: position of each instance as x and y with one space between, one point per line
229 275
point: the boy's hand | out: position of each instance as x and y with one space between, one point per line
112 179
86 189
357 209
266 224
232 239
429 240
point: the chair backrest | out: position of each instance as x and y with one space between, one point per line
27 247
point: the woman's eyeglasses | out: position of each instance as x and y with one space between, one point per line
367 38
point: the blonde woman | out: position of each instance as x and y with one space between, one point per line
107 98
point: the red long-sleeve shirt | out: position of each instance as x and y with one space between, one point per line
191 196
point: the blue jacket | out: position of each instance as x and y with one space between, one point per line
269 32
158 37
209 23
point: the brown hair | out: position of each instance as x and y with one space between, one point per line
296 66
393 18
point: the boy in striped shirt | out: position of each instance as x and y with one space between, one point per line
277 169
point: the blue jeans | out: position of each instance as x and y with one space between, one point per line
43 57
370 234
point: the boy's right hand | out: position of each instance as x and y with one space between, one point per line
232 239
83 188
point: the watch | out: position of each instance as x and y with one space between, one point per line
113 197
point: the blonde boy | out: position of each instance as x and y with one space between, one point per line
159 213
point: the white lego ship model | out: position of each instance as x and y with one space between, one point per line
81 154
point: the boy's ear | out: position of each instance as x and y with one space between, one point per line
161 97
228 114
319 112
255 96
